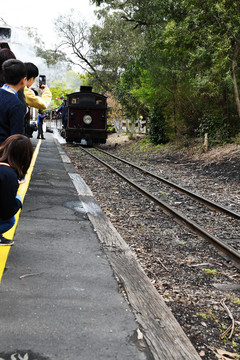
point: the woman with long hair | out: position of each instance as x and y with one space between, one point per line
5 54
15 157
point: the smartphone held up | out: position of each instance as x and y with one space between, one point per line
42 81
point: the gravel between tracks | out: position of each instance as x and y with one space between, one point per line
201 288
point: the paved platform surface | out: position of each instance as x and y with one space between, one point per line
59 298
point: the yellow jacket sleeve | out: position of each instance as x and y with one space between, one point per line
38 102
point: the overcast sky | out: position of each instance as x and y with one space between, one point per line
41 14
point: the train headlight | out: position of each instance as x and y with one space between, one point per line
87 119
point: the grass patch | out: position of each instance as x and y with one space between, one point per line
212 272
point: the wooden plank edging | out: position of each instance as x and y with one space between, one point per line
163 334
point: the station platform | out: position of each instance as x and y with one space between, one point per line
71 288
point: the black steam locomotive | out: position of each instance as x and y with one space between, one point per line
86 117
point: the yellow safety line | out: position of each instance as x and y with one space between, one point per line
4 250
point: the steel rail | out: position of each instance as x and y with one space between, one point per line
169 210
210 204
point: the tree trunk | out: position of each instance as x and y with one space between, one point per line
235 87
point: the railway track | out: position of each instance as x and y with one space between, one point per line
169 201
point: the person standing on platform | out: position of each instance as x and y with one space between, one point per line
15 158
33 100
40 119
6 54
12 110
63 109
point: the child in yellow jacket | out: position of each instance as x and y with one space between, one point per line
33 100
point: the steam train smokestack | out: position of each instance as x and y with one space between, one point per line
86 89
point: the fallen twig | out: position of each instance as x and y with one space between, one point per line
203 264
33 274
231 327
160 262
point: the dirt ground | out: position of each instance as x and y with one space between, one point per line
217 154
223 161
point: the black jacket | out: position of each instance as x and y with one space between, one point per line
9 204
12 113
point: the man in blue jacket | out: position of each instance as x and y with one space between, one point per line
63 109
12 110
40 119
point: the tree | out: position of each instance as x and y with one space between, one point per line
221 36
52 57
188 56
74 35
113 45
104 51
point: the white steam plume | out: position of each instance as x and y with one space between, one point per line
23 48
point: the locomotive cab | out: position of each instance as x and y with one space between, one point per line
86 117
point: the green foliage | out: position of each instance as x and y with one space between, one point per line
113 45
237 139
69 83
236 301
110 129
125 91
157 126
216 128
202 315
97 2
52 57
182 243
146 140
211 271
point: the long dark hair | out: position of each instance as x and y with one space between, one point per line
17 151
5 54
